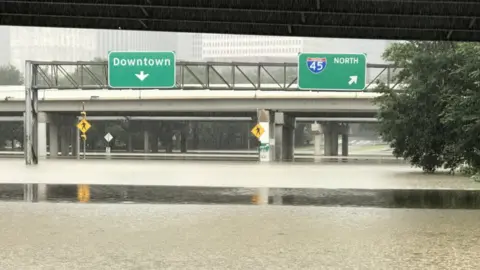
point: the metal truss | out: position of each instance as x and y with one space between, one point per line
196 76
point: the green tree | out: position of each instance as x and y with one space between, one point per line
10 75
426 123
10 131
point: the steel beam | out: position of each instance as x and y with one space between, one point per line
193 75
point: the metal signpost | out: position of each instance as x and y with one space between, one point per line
141 70
332 72
108 137
83 125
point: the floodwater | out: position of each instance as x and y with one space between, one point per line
97 236
227 174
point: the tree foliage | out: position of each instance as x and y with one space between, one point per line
435 122
10 131
10 75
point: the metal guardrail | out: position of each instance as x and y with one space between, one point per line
196 76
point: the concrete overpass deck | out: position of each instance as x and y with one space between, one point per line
178 101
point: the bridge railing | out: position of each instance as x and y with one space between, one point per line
197 76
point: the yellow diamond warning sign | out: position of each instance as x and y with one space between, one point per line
258 131
84 126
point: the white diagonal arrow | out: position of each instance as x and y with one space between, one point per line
353 79
142 76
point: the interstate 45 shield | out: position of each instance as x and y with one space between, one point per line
316 64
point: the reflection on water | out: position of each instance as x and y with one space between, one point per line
389 198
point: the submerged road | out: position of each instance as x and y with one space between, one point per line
227 174
86 236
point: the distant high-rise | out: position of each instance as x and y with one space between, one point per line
67 44
49 44
280 49
189 47
121 40
4 45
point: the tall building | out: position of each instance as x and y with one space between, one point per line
189 46
50 44
123 40
4 45
217 47
67 44
280 49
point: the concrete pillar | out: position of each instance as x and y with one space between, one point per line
130 142
183 138
146 141
78 144
73 141
53 139
65 138
42 135
345 144
318 139
166 136
195 135
330 145
284 137
154 142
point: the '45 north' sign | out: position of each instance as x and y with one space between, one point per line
328 71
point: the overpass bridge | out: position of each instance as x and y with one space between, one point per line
192 103
60 90
202 89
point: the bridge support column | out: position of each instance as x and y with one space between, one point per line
195 135
284 137
183 137
166 136
53 138
318 140
65 140
77 143
66 135
42 135
154 140
130 142
146 141
74 139
330 133
344 145
345 134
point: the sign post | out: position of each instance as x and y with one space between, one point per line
83 191
108 137
261 131
84 126
332 72
141 70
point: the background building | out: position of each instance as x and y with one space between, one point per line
216 47
62 44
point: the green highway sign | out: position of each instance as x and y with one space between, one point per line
141 69
332 71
